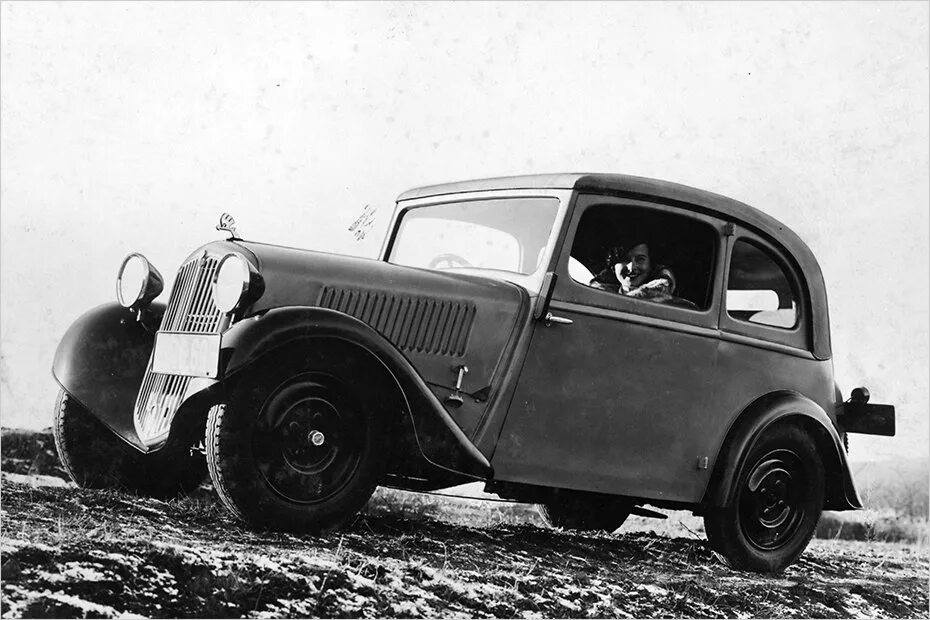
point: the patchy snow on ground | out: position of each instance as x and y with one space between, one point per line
69 552
39 480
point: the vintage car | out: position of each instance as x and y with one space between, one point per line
483 345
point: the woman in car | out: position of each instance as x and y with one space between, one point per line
634 273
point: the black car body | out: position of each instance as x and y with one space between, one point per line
476 347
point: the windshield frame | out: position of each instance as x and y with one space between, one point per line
532 282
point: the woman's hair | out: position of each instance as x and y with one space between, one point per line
658 252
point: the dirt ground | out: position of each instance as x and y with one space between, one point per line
68 552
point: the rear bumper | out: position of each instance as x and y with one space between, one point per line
867 419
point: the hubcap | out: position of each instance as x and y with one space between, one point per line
771 503
307 438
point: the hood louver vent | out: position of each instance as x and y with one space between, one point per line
419 324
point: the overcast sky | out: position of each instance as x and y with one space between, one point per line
131 127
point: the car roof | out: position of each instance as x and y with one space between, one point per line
666 191
609 183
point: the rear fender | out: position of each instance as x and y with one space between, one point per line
784 408
101 361
440 440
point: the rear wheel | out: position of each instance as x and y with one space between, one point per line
95 458
296 449
575 510
778 499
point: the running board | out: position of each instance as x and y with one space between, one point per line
645 512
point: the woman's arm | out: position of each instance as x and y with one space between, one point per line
660 287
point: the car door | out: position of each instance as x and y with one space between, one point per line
612 397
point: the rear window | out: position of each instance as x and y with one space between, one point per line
758 289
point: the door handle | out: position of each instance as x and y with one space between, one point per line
550 319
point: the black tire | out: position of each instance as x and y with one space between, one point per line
573 510
95 458
778 500
261 447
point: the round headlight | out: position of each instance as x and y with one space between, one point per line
232 282
137 282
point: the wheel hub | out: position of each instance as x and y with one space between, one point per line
773 505
304 446
770 505
307 442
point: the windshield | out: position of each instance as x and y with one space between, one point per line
507 235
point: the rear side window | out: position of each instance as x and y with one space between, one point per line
758 289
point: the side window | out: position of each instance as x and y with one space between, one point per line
646 254
758 290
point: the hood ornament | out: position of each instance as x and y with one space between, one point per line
228 223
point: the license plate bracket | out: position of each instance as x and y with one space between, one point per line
192 355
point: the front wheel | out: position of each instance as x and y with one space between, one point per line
298 450
778 500
95 458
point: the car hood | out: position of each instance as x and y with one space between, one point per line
439 321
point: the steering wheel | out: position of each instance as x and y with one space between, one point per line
449 261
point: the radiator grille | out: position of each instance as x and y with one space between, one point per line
190 310
419 324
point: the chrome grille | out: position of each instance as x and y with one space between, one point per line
190 310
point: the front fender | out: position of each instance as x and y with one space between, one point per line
440 439
761 415
101 361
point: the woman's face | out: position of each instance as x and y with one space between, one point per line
636 265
